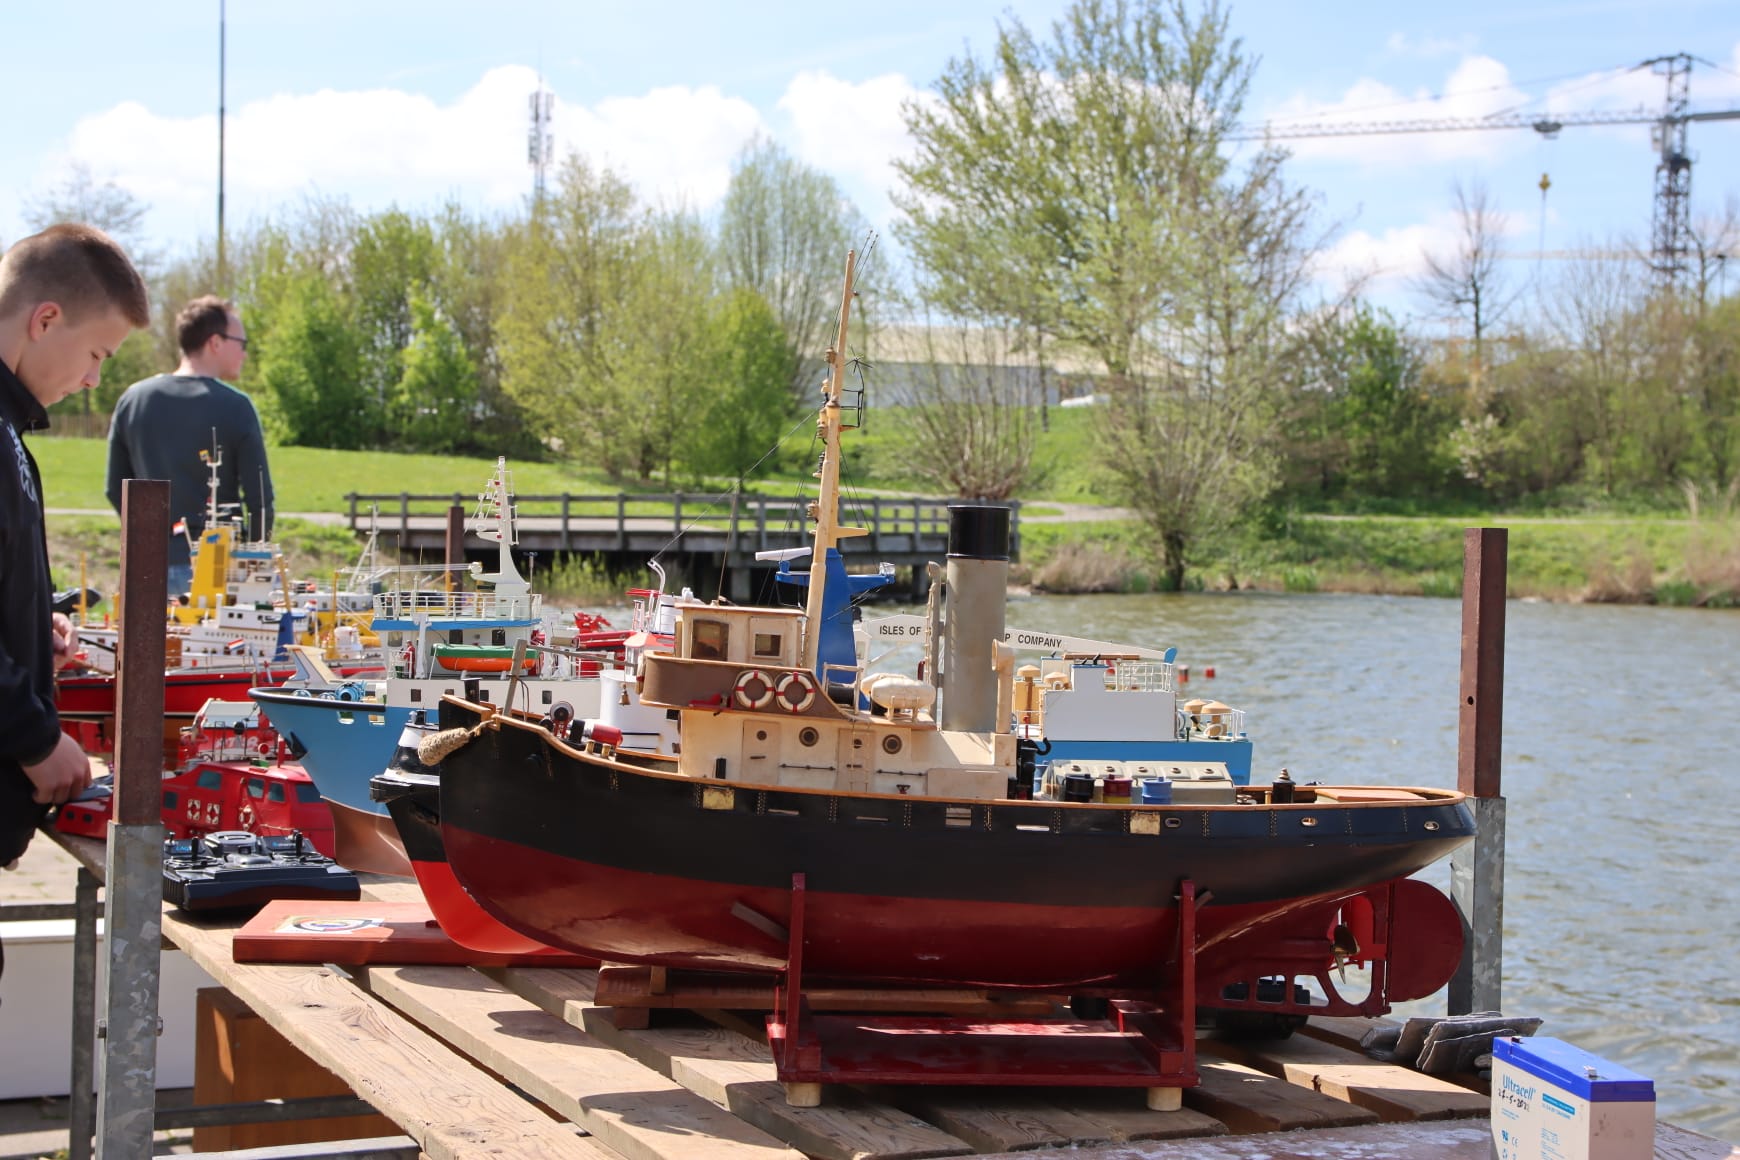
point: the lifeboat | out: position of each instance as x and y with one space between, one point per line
480 658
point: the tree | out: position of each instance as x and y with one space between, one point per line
1469 281
781 230
746 402
1078 187
433 406
974 427
80 197
308 367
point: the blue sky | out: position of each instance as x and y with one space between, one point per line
394 101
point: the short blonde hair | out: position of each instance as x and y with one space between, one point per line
80 268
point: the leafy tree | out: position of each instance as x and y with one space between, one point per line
308 367
746 402
781 231
80 197
974 426
433 406
391 259
1469 282
1077 186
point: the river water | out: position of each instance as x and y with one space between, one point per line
1621 773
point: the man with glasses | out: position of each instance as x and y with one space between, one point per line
163 424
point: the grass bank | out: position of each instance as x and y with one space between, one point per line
1621 560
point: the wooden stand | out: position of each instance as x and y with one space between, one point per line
1145 1044
238 1058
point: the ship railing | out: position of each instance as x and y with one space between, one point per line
1224 725
1141 677
431 602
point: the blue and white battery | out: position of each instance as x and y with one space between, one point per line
1554 1101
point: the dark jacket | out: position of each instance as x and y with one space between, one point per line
29 726
159 428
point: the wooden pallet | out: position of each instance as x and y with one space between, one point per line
526 1062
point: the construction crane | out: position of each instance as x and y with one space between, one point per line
1670 233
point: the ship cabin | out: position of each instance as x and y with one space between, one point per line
753 713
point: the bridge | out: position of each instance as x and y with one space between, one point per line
710 538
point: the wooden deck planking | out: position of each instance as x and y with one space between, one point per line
737 1073
1248 1101
622 1103
442 1100
1392 1091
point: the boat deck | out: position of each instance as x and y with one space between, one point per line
525 1062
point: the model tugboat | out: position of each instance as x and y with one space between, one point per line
825 821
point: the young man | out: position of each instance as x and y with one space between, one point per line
68 297
161 425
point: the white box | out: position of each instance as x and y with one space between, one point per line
36 1010
1554 1101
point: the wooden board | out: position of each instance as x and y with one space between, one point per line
1392 1091
239 1058
1248 1100
1006 1119
737 1073
442 1100
625 986
622 1103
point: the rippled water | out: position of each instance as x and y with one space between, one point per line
1621 772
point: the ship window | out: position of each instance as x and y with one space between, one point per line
256 788
306 792
767 644
169 799
416 696
275 792
808 736
958 815
455 636
210 779
891 743
709 640
498 636
548 695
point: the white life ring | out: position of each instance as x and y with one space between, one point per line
211 813
745 689
246 816
796 692
193 809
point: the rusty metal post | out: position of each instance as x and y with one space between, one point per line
133 915
1477 871
455 537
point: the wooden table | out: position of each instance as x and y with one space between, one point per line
520 1062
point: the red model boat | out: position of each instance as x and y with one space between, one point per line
887 830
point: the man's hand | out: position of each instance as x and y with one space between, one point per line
66 641
64 775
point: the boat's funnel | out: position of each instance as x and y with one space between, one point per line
975 593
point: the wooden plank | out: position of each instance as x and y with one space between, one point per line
1343 1032
995 1119
737 1073
1676 1143
1123 1114
1392 1091
444 1102
1444 1140
627 986
625 1105
1248 1100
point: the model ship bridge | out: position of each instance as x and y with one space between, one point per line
714 534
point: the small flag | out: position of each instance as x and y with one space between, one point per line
180 528
235 644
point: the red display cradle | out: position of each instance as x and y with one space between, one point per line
1148 1045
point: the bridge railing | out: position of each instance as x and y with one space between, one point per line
755 522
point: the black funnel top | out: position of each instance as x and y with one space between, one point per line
979 531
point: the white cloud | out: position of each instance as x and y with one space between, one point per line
1477 87
384 145
852 130
1389 261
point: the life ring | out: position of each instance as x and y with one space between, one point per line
754 689
265 749
246 817
796 692
193 809
211 813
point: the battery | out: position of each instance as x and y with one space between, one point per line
1552 1100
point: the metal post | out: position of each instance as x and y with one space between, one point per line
455 536
1477 872
82 1101
133 919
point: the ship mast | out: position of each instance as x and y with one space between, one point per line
826 508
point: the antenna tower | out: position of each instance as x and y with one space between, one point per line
540 144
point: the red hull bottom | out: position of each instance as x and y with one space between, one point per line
631 916
467 924
367 842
